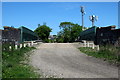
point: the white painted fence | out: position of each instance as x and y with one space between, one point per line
90 44
29 44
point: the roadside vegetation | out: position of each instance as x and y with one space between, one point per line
15 64
69 32
108 52
43 32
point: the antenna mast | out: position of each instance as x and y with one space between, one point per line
83 13
93 18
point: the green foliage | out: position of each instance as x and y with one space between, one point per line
14 65
75 32
51 41
108 52
5 47
66 25
47 40
60 40
69 32
43 32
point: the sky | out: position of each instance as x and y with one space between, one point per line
119 13
60 0
30 14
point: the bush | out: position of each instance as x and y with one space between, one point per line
60 40
46 40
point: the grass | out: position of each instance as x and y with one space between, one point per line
109 53
15 65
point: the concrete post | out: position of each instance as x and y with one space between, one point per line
16 46
10 47
32 43
87 44
20 45
98 48
24 45
84 43
93 47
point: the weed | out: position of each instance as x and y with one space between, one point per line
12 68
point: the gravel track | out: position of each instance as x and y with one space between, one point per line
64 60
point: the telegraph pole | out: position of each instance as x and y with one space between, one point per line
83 13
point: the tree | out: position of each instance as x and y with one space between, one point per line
69 32
60 37
65 25
75 32
43 32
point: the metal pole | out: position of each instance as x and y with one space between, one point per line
82 20
82 11
92 23
93 19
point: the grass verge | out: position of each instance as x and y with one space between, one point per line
14 66
109 53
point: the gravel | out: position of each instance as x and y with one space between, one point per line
64 60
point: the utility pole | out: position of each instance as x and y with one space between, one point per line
83 13
93 18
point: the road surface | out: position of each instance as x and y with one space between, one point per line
64 60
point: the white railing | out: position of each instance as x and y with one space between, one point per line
90 44
25 44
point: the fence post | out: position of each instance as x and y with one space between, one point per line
16 46
93 47
24 45
84 43
20 45
10 47
98 48
32 43
87 44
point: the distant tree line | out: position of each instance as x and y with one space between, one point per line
69 32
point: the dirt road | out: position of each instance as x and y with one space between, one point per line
63 60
